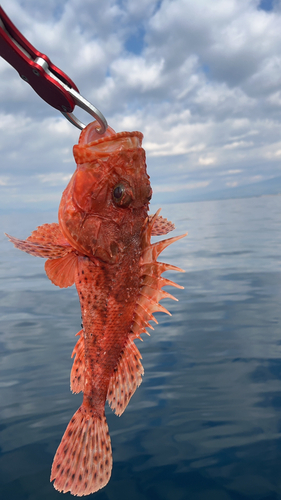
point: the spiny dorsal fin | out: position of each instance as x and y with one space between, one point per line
161 226
125 380
150 292
152 251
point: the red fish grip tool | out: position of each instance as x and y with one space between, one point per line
48 81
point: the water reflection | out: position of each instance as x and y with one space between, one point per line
206 421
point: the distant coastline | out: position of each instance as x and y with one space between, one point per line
269 187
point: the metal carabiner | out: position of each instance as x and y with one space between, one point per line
48 81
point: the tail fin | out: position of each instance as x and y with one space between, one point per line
83 461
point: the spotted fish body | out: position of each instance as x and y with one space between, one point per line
102 244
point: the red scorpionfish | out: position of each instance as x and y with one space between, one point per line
102 244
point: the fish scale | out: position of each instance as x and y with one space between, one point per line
106 322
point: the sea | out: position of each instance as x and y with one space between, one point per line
205 424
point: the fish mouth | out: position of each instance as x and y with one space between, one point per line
88 150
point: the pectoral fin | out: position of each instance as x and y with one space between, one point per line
44 250
46 241
48 234
61 271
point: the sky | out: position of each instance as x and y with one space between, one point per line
201 80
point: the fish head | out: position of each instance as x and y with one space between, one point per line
105 205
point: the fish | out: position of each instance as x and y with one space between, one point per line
102 244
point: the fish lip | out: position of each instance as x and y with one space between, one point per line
113 137
102 148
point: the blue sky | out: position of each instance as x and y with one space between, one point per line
201 80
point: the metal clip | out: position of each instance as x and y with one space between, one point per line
48 81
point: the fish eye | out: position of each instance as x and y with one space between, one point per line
121 196
118 192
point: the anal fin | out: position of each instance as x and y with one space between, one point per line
77 371
125 379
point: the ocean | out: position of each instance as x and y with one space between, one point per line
205 424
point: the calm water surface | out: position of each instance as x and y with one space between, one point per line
206 422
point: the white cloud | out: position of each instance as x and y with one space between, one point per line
4 181
206 160
232 172
238 144
231 184
201 80
140 74
54 178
